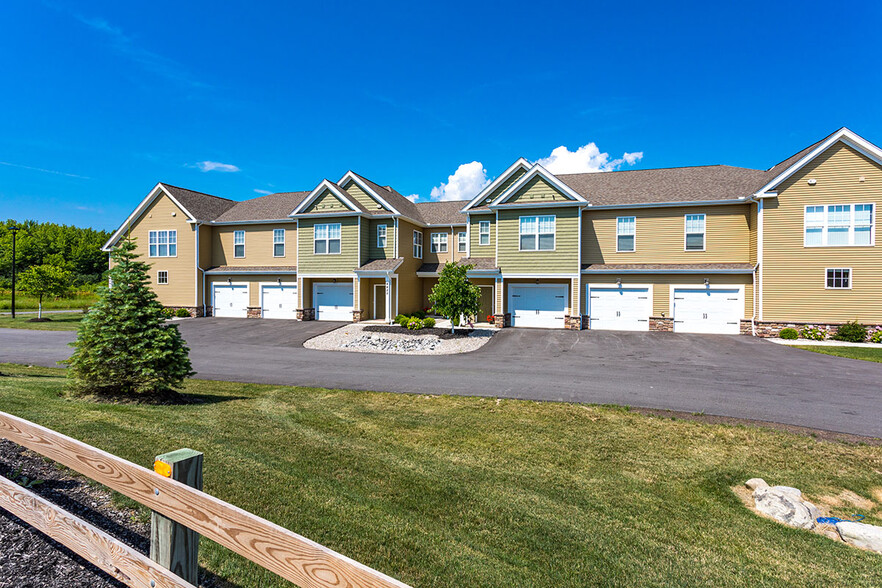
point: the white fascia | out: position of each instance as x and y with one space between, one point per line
517 165
538 170
739 200
669 271
333 189
350 175
848 137
157 190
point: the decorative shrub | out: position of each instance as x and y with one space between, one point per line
876 337
788 333
167 312
182 313
813 333
420 314
414 324
853 332
428 322
399 318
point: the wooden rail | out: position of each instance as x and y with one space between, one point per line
291 556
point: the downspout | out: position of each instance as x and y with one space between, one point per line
199 269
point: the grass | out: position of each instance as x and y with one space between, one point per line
63 321
23 301
864 353
449 491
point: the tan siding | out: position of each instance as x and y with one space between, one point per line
375 252
364 247
206 234
457 255
410 290
428 256
752 221
474 236
326 202
660 236
536 190
565 257
661 287
346 261
163 214
258 245
794 275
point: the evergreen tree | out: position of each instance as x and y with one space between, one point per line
454 296
124 348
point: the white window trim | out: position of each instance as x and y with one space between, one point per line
168 234
442 242
634 235
703 235
462 242
537 233
236 244
327 239
481 225
384 236
282 243
417 243
165 283
825 225
850 278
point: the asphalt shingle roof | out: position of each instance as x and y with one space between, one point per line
479 263
271 207
204 207
381 265
442 213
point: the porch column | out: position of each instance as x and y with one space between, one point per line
389 316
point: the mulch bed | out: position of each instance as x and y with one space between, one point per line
461 332
30 559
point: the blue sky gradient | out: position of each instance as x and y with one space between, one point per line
100 100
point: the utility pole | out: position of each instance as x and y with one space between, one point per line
14 230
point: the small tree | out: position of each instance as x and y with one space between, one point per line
454 296
44 280
124 348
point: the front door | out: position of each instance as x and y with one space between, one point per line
380 302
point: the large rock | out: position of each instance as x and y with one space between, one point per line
785 504
755 483
861 535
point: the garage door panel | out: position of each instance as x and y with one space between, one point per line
619 308
333 302
279 301
230 300
543 306
708 310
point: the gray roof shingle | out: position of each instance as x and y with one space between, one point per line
442 213
381 265
271 207
204 207
479 263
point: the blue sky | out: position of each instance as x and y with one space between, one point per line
100 100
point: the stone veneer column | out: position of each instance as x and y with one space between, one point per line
305 314
661 323
253 312
500 321
356 316
573 323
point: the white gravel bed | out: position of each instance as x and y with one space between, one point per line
367 338
824 343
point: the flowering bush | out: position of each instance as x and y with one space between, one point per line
813 333
414 324
876 337
490 318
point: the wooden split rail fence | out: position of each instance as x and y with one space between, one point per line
274 548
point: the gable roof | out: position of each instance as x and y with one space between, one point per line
271 207
537 171
446 212
395 200
345 197
520 164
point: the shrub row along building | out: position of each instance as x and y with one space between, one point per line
709 249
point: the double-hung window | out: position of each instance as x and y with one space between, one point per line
162 243
238 243
278 242
381 236
484 232
461 242
162 277
537 233
695 232
839 225
626 232
438 243
838 278
418 244
326 239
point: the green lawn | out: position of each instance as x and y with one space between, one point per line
63 321
454 492
76 301
865 353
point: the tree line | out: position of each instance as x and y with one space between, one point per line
75 250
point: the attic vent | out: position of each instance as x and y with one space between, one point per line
387 188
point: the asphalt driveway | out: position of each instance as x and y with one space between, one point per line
725 375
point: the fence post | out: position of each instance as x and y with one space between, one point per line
172 545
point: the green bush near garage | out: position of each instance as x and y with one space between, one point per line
876 337
853 332
813 334
788 333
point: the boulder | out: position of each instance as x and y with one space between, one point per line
755 483
785 504
861 535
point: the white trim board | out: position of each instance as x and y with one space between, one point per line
351 175
521 163
538 170
333 189
136 214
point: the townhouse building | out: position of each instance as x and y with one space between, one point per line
705 249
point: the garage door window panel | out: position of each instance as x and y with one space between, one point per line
695 226
326 239
537 233
626 234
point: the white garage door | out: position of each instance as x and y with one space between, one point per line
619 309
540 305
230 300
708 310
279 302
333 302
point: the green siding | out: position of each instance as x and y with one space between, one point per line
514 177
375 252
536 190
362 197
475 249
364 247
345 261
326 202
564 259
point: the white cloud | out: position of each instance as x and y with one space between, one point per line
263 192
413 197
207 166
464 184
586 159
